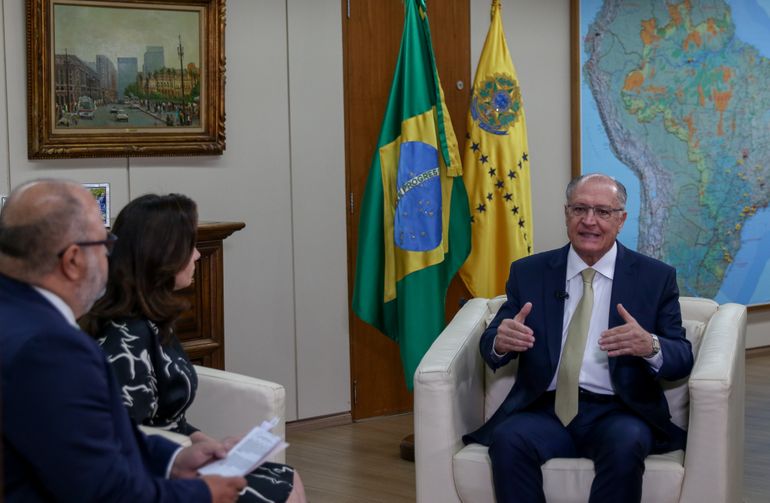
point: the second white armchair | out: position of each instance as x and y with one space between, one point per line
227 403
454 393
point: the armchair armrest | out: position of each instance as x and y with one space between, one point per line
714 456
231 404
177 438
448 400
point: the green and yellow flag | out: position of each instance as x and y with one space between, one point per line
414 231
497 172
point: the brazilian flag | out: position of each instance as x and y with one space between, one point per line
414 232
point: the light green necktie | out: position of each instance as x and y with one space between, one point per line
566 404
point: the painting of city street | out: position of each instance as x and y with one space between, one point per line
114 78
126 67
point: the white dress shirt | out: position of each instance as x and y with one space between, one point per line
594 373
59 304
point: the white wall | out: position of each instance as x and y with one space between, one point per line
318 193
283 174
5 173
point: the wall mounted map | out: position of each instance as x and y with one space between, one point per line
675 103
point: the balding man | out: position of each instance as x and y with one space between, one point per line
66 433
594 327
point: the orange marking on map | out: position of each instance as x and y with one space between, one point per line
727 74
676 16
634 81
722 99
711 27
657 89
648 34
691 129
693 37
701 96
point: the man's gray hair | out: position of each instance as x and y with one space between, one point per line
33 230
621 189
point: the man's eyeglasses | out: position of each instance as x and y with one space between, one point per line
580 211
108 243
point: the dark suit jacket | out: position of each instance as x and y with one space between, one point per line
66 434
647 289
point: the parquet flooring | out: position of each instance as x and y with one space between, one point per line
354 463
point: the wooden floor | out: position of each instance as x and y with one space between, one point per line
359 463
355 463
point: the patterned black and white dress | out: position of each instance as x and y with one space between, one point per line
158 384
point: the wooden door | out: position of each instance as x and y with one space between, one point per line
371 37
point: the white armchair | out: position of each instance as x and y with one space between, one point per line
455 392
231 404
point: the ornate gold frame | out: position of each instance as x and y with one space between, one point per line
45 141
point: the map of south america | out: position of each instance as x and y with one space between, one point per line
685 105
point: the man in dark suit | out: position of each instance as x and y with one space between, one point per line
592 391
66 434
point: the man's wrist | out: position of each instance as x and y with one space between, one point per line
170 468
494 351
655 346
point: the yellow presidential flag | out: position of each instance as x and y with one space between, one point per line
496 169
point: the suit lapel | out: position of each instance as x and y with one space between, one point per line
555 279
622 288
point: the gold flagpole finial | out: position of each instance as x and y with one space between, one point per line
495 5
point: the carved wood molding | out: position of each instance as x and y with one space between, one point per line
201 328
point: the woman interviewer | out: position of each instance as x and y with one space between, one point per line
154 256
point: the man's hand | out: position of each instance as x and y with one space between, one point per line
513 334
224 489
227 442
627 339
191 458
199 436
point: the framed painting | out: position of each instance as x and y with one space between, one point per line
114 78
671 99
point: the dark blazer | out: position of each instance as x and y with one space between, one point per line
66 434
647 289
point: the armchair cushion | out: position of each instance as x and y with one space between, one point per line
177 438
564 478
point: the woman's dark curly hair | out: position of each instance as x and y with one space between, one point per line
156 237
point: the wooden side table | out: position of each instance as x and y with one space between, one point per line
201 328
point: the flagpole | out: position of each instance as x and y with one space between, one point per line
406 448
414 228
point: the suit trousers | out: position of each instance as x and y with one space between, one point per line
604 430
